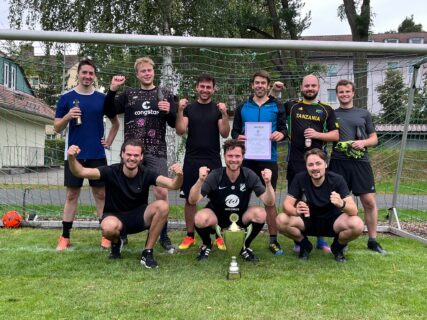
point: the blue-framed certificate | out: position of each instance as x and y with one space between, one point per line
258 143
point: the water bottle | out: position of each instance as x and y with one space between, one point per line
78 121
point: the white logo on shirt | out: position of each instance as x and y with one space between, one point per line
242 187
146 105
232 201
220 188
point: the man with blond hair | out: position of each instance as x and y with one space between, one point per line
147 110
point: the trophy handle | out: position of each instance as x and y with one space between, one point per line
248 231
218 230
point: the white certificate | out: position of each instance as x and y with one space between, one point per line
258 143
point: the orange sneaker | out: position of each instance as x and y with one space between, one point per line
187 243
105 243
220 243
63 244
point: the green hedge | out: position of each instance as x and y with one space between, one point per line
54 152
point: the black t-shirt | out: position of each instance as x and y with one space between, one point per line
231 197
301 116
318 198
123 194
203 132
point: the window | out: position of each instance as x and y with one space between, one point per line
332 97
416 40
6 75
13 77
34 81
391 40
332 70
392 65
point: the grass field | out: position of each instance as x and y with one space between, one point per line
38 283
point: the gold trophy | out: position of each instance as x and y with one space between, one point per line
234 238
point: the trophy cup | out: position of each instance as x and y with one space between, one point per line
234 238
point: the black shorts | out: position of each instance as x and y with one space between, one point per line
258 166
133 221
156 164
191 172
323 227
294 167
72 181
357 174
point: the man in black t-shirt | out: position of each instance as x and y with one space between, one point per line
229 190
319 204
126 207
203 121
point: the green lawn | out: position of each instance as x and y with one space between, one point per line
38 283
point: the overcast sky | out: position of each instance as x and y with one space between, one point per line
388 15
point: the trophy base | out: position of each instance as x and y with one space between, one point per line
233 270
234 276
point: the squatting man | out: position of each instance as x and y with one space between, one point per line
126 208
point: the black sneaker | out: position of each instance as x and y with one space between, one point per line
116 249
167 245
248 255
338 252
204 252
375 246
305 248
147 259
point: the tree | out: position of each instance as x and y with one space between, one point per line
419 113
393 95
408 25
360 22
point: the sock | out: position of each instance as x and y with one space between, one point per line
66 227
256 229
205 234
273 237
372 239
305 243
190 234
338 245
164 233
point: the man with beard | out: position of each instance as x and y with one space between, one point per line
203 121
81 111
126 207
311 124
358 133
319 204
147 110
229 190
262 108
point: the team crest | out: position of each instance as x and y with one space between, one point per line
242 187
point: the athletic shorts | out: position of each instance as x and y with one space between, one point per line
294 167
133 221
258 166
191 172
357 174
319 226
72 181
224 218
157 164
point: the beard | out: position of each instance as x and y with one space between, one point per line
309 96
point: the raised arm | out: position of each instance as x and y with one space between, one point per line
195 194
77 169
223 123
171 183
181 124
113 106
269 196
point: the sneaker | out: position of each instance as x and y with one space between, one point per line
105 243
124 238
204 252
304 251
116 249
322 245
275 248
375 246
147 259
167 245
248 255
187 243
63 244
219 242
338 253
296 248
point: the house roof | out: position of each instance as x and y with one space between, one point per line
378 37
23 102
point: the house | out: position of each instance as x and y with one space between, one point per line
23 118
339 65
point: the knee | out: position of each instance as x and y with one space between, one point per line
72 195
110 228
161 207
260 215
99 194
201 220
282 220
358 225
161 193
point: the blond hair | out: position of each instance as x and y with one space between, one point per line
142 60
